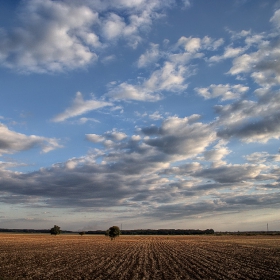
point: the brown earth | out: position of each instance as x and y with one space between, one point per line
34 256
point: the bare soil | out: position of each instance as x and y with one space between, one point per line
34 256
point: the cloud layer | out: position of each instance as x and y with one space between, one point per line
160 165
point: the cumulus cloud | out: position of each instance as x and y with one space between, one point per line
262 64
276 19
54 36
257 58
170 77
172 170
262 157
12 142
149 57
226 92
195 44
152 171
231 173
109 135
251 121
79 107
172 70
126 91
184 137
190 44
113 26
51 38
156 116
216 155
228 53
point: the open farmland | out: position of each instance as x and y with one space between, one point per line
34 256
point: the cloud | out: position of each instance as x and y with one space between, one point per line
113 26
251 121
152 171
109 135
171 71
195 44
53 37
126 91
208 208
261 64
183 137
216 154
276 19
228 53
231 173
80 107
226 92
262 157
190 44
156 116
94 138
149 57
186 3
169 78
12 142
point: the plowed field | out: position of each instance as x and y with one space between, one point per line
139 257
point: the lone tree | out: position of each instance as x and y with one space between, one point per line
82 233
55 230
113 232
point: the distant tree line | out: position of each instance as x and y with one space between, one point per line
31 230
148 232
158 232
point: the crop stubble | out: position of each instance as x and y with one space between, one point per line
139 257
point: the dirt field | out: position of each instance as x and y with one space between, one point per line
139 257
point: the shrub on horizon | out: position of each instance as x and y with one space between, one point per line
55 230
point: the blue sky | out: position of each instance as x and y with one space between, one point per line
145 113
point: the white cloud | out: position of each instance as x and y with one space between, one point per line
262 63
115 135
186 3
276 19
84 120
80 107
181 137
243 64
107 138
225 92
94 138
126 91
51 38
55 36
156 116
12 142
108 59
228 53
149 57
170 77
194 44
262 157
216 154
251 121
113 26
190 44
232 173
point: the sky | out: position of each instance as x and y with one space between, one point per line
140 113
